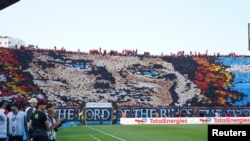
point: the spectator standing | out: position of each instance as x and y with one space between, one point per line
39 123
29 111
217 114
53 123
229 114
17 124
82 116
31 108
114 117
3 122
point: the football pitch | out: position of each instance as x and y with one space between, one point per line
179 132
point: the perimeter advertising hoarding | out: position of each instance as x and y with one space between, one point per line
186 120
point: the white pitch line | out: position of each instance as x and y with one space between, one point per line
106 133
95 138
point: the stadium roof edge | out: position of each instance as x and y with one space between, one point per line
6 3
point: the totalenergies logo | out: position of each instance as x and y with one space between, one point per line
206 120
140 121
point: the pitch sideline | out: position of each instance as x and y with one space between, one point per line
106 133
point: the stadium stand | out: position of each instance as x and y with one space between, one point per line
68 78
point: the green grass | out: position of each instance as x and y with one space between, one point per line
179 132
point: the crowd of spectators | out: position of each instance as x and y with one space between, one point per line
66 78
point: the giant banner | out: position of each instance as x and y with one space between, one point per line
94 113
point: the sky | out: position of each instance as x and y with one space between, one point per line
155 26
